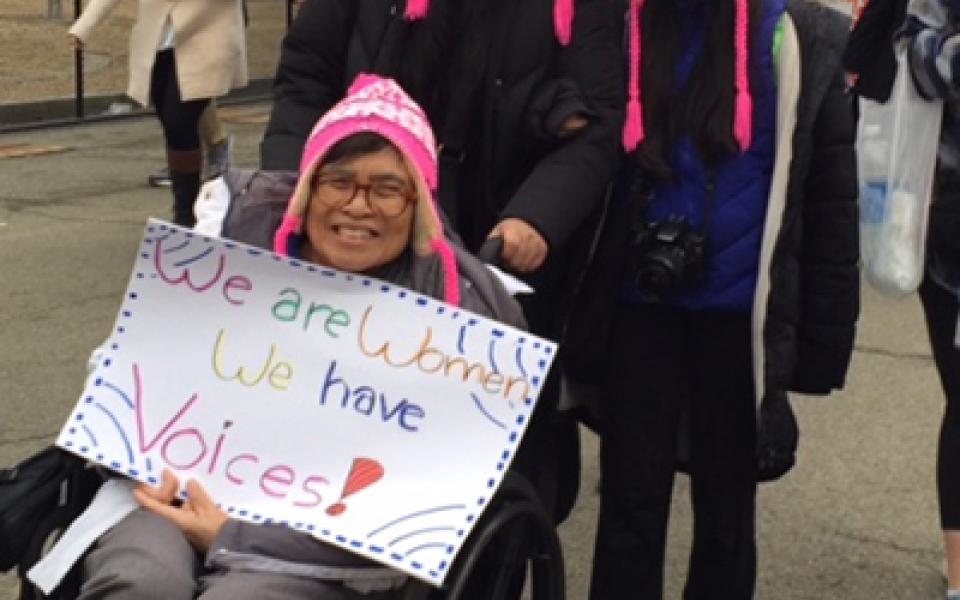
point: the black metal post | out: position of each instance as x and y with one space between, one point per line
78 69
54 9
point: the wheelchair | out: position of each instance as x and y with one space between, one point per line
514 540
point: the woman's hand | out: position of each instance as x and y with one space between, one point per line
198 517
524 249
75 42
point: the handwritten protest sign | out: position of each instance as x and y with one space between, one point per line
365 414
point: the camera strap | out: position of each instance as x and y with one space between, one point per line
711 192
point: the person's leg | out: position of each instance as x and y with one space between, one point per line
217 146
940 308
639 418
247 585
210 128
143 557
180 128
723 467
216 143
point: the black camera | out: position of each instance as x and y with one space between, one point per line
668 256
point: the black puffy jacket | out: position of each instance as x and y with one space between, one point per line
517 165
814 298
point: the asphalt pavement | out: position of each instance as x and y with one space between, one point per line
855 520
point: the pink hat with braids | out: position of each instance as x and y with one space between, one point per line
562 16
377 105
743 107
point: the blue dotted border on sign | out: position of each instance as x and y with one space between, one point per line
496 331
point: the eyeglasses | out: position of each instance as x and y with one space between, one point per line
387 198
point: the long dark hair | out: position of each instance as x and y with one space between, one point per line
358 144
703 107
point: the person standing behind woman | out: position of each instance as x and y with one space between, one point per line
931 34
182 54
740 141
526 97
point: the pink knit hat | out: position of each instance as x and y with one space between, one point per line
743 107
562 16
378 105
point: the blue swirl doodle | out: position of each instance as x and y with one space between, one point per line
490 354
420 531
419 513
119 392
463 334
520 361
175 248
483 410
123 434
89 432
200 256
424 547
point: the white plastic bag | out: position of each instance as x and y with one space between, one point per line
896 155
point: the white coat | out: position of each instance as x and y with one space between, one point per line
209 42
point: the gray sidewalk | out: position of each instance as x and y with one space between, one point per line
856 520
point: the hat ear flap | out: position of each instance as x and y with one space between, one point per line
292 221
426 222
427 238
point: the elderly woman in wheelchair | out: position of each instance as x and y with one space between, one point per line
362 203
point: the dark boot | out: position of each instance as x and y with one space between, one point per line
185 183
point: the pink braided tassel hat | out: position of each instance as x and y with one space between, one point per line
378 105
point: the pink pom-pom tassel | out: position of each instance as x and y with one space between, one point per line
416 9
742 120
633 127
563 21
451 278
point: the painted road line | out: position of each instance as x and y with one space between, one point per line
24 150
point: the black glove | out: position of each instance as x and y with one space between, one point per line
777 437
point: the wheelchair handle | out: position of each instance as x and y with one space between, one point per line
491 251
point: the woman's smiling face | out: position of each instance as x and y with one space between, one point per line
352 222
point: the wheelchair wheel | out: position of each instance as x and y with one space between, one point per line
76 495
515 538
42 544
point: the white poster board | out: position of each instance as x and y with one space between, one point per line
365 414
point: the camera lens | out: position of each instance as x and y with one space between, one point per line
659 274
654 280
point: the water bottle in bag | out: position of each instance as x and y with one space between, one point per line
873 158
